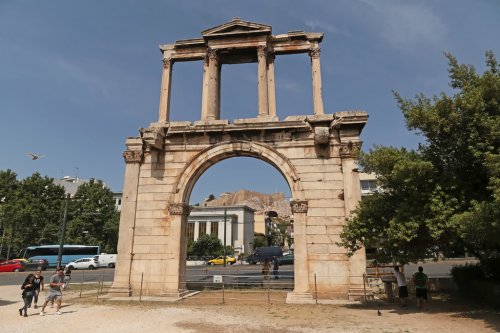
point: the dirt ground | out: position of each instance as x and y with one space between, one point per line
243 313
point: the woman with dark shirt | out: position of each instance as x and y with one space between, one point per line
28 288
38 284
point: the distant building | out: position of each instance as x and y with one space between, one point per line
71 184
368 183
117 196
210 220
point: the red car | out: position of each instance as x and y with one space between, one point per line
11 266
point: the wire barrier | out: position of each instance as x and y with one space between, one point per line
246 286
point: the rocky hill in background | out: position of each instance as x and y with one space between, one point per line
259 201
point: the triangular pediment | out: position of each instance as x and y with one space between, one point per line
237 26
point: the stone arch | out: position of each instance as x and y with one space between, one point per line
210 156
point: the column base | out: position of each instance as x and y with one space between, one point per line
120 291
358 293
300 298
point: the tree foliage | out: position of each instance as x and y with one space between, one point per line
446 194
207 246
93 218
31 213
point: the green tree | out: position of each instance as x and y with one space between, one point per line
93 218
207 246
444 195
33 213
8 186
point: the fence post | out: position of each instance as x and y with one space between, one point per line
223 301
81 283
315 288
364 284
140 291
268 291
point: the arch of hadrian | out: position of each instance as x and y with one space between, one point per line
315 153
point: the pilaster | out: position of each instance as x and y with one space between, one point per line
133 159
301 293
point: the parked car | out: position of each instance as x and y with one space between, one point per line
106 260
287 259
220 261
11 266
83 263
33 265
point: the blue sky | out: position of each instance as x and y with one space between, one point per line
79 77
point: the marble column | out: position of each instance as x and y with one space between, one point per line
204 95
316 80
271 87
121 283
262 78
166 82
213 85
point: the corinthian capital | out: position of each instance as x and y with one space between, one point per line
314 52
299 206
261 51
270 57
212 54
167 62
179 209
133 156
350 149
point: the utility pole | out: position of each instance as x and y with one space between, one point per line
63 232
224 253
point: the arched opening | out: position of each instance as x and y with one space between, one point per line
243 215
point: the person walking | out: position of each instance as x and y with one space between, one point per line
420 280
28 288
38 284
402 288
265 268
67 277
276 267
55 293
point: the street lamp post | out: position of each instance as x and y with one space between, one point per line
224 250
63 232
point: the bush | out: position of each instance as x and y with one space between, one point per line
477 282
462 275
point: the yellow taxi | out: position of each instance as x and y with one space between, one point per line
220 261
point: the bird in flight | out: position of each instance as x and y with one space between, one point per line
34 156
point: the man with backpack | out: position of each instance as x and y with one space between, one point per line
420 280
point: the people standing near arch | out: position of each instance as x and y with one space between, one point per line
402 288
420 280
265 269
276 267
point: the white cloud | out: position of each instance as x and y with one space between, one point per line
320 26
407 24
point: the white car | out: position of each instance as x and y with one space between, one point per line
83 263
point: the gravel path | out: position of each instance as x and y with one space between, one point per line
91 317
